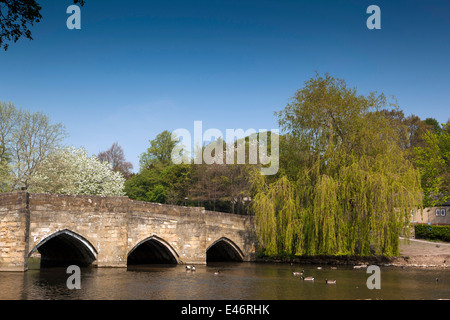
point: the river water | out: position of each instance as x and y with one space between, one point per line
236 281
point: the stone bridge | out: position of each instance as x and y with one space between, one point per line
116 232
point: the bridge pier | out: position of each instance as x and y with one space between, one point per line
115 231
14 231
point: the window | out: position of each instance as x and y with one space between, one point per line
438 212
442 212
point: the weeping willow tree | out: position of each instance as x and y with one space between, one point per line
351 191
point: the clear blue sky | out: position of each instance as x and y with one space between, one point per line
137 68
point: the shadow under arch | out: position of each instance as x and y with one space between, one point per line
64 248
224 249
152 250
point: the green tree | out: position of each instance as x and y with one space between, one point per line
138 186
157 178
169 184
350 188
409 129
158 194
177 181
28 138
433 161
159 152
434 124
224 187
5 170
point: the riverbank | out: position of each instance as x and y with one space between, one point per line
413 253
422 253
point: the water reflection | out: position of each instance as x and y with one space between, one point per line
236 281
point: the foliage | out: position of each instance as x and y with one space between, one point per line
158 180
138 185
16 17
350 190
432 232
410 130
4 171
434 125
433 161
116 157
72 171
161 184
224 187
27 138
159 152
176 180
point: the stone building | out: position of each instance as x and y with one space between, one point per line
435 215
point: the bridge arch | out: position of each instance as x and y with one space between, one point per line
151 250
64 248
224 249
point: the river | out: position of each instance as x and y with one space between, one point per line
236 281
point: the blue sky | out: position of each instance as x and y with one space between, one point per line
137 68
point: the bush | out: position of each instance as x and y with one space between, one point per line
72 171
432 232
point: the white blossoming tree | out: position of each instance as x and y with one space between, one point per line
72 171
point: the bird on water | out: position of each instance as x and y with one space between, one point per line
296 273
